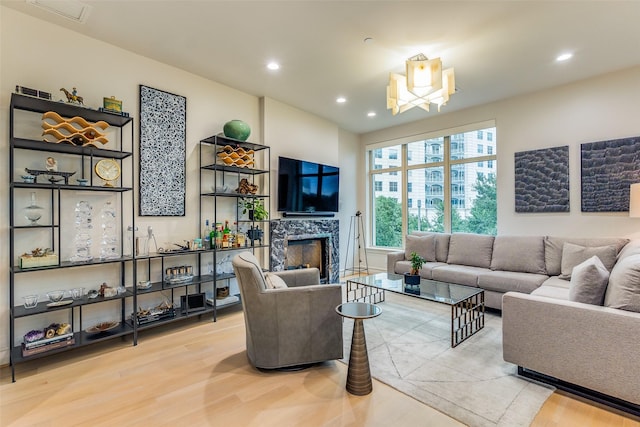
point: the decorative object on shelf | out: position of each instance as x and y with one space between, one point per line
165 310
75 131
76 293
162 149
107 291
52 175
72 97
30 301
38 258
56 335
109 241
112 104
245 187
237 156
413 277
102 327
236 129
179 275
255 208
425 83
255 233
82 241
33 212
82 182
33 92
29 179
55 296
108 170
542 180
51 164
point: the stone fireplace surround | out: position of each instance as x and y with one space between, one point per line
284 230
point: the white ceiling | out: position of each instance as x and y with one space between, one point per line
498 48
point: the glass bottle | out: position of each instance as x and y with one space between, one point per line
206 241
82 239
33 212
226 233
109 241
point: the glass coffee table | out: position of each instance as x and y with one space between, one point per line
467 303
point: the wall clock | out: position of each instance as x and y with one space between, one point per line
108 170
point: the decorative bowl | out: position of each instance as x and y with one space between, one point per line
82 182
76 293
29 179
30 301
55 296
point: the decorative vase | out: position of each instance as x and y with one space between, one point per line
33 212
82 239
411 279
109 241
236 129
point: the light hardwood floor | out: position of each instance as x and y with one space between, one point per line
196 373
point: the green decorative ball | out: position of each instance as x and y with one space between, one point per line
236 129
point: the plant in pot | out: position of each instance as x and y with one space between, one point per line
413 277
255 208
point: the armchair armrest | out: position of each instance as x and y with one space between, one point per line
301 277
392 258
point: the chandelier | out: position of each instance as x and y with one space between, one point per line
425 83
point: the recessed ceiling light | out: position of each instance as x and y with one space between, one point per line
371 114
273 65
564 57
341 100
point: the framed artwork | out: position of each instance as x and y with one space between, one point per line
608 169
542 180
163 118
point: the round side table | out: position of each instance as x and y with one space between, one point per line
358 374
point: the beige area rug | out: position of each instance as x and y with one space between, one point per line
409 347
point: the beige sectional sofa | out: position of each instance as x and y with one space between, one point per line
570 307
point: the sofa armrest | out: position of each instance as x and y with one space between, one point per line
592 346
392 258
300 277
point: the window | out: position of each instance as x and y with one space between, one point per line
468 205
377 153
377 166
489 136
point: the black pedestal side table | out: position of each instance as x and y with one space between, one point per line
358 375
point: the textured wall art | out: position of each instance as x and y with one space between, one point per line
608 168
542 180
163 118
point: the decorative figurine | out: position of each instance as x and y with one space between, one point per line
51 164
73 97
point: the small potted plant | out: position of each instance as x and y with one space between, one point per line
255 208
413 277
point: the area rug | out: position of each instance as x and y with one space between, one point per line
409 348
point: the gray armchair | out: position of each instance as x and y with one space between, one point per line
290 326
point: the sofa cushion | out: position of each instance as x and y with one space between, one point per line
442 244
589 282
425 272
274 281
504 281
557 282
573 255
425 246
552 292
460 274
624 285
553 249
519 253
470 249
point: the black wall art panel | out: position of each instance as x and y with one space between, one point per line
163 118
608 169
542 180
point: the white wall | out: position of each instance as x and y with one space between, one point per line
597 109
35 54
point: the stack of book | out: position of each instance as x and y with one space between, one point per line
47 344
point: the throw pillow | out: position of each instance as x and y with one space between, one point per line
470 249
589 282
573 255
425 246
623 291
518 253
274 281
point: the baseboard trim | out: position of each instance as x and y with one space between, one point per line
604 399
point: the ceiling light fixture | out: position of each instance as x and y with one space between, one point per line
341 100
371 114
273 66
425 83
564 57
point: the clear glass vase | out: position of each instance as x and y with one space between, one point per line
82 240
109 241
33 212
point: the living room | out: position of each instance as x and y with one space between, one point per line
38 54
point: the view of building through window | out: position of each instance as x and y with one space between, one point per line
450 186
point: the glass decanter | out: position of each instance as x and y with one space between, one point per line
83 237
33 212
109 241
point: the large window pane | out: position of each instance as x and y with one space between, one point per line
426 212
388 211
473 200
472 144
427 151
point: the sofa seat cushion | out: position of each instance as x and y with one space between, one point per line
589 281
425 272
557 282
505 281
460 274
553 249
519 253
623 291
470 249
573 255
555 292
424 246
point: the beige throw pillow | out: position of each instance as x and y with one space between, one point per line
623 291
274 281
589 282
518 253
425 246
573 255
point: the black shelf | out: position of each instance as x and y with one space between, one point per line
237 195
45 186
69 264
221 140
64 148
235 169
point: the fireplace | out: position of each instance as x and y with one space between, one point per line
306 243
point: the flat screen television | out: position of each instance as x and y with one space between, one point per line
307 188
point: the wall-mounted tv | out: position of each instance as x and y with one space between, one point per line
307 188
